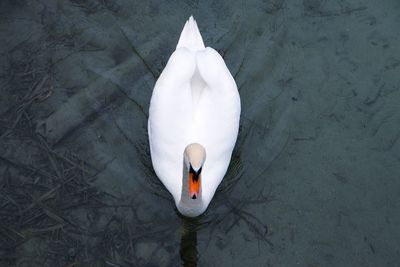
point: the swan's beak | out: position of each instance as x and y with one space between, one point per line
194 183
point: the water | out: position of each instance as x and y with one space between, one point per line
314 179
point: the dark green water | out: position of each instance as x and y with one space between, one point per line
315 176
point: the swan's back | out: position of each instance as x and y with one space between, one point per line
195 100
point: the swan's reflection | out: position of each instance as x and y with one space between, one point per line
188 249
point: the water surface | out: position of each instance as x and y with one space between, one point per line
314 178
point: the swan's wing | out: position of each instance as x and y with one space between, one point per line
216 123
170 118
218 113
214 71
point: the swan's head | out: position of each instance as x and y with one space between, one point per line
194 158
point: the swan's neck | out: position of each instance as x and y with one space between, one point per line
187 206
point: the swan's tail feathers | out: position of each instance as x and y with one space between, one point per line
190 36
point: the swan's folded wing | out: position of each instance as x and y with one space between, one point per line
179 70
213 70
220 106
169 117
217 123
170 102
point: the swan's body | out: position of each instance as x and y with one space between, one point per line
195 100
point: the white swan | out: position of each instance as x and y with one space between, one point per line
193 122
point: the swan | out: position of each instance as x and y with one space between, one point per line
193 122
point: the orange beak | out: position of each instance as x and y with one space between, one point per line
194 185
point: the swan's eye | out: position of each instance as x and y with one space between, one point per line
191 170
